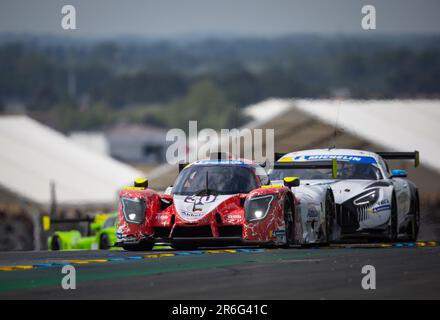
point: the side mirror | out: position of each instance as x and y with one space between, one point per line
399 173
168 190
141 183
291 182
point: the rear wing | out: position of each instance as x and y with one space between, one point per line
333 165
48 221
98 218
73 220
415 155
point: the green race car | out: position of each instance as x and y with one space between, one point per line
104 236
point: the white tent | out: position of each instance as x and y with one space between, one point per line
397 125
33 155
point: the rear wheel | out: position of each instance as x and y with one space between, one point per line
146 246
392 232
289 222
56 244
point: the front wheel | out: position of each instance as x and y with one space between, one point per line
392 232
56 244
330 214
289 222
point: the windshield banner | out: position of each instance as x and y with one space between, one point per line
338 157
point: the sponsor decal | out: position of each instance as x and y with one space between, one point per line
200 200
312 212
193 208
233 216
339 157
380 208
279 234
191 215
161 217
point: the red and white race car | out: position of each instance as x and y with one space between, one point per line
212 203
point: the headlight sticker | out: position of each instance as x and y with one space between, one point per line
133 209
367 198
257 208
380 208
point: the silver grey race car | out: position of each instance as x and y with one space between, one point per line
371 200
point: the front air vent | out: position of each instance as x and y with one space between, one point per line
347 219
165 203
162 232
230 231
362 213
192 232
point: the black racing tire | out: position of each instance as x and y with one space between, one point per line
104 242
414 226
330 214
393 232
144 246
289 219
56 244
184 246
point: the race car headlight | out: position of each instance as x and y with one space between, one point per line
133 209
367 198
256 208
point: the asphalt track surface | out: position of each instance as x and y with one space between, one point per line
403 271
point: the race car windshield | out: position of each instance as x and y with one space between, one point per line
215 179
346 170
110 222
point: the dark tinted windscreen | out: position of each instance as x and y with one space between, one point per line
110 222
228 179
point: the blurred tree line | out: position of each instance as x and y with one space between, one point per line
79 84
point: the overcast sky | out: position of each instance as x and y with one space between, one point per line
165 18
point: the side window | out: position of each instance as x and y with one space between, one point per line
110 222
384 166
262 175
